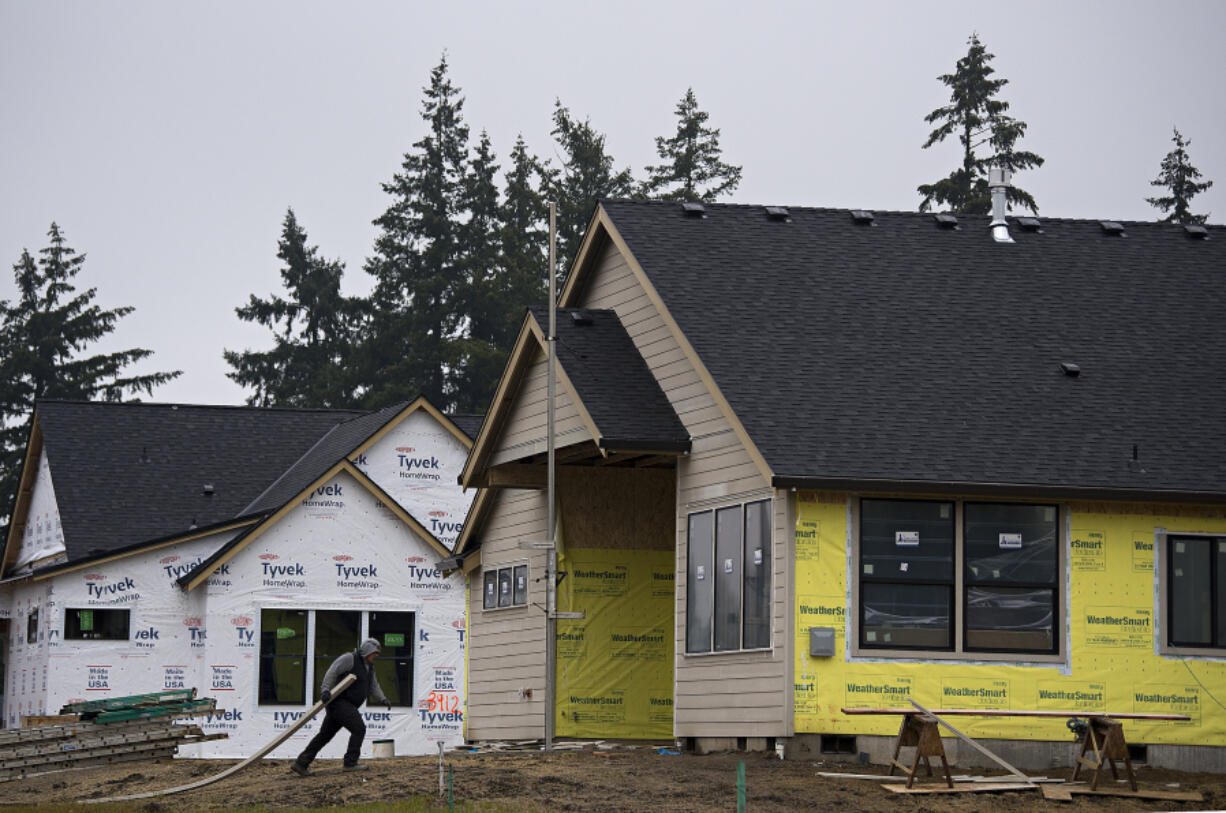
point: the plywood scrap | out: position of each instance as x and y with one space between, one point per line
964 787
1064 793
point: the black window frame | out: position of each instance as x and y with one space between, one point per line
961 582
713 586
511 575
1217 598
266 672
73 632
32 626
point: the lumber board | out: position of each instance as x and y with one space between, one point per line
968 787
130 701
1129 715
233 769
96 741
11 736
973 744
86 764
1064 793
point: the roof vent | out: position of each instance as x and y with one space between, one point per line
1113 227
998 182
863 217
778 213
1196 230
947 221
694 210
1070 369
1029 224
580 317
208 489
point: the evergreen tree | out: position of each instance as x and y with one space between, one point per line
414 344
42 334
587 174
314 328
483 299
1178 177
691 168
978 118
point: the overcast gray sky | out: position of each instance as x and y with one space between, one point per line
168 138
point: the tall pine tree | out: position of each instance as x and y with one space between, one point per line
314 327
979 119
415 346
42 336
691 169
587 174
1181 180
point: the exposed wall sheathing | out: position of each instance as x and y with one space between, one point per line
1109 665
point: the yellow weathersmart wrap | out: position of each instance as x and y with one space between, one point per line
615 666
1112 665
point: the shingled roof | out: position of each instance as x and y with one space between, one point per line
130 473
613 381
908 352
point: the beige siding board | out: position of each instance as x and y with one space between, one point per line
740 728
528 420
705 671
720 700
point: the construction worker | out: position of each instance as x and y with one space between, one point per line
343 709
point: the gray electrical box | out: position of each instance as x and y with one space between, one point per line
821 642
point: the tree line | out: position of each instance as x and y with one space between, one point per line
460 253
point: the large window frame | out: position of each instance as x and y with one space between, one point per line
395 667
97 624
1000 603
1176 560
729 579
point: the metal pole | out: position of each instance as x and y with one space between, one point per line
551 582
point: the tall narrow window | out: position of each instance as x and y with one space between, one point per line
1010 577
336 632
906 574
728 579
757 569
283 650
1196 579
394 666
490 595
32 627
699 591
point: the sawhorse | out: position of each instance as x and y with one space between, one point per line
920 731
1106 738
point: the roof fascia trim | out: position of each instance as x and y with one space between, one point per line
144 547
419 403
604 223
586 416
999 489
496 416
590 247
21 502
477 513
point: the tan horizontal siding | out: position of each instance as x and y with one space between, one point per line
528 420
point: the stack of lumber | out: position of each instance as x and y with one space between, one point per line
101 732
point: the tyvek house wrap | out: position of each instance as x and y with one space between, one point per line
339 549
43 536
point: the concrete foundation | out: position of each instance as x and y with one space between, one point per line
1026 755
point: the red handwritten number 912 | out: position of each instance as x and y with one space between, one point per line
443 701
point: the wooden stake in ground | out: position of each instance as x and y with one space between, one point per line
233 769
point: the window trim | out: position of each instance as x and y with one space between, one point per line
510 567
959 653
1162 615
768 545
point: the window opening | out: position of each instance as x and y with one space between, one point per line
394 666
336 632
283 657
97 624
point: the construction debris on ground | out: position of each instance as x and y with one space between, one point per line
90 733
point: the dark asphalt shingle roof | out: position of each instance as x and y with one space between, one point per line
613 381
129 473
907 352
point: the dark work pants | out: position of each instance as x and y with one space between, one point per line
340 714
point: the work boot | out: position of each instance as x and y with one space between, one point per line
300 769
361 766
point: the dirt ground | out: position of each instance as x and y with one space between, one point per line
621 779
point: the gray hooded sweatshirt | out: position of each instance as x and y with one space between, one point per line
366 675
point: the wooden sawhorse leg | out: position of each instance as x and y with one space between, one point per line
1106 738
920 731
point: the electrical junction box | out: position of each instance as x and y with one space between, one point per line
821 642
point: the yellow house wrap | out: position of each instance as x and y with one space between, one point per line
1111 661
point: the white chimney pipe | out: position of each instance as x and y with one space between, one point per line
998 181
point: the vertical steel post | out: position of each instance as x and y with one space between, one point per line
551 579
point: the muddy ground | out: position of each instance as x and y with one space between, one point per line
635 779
